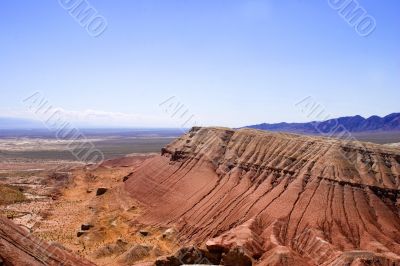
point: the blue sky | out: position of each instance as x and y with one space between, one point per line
229 62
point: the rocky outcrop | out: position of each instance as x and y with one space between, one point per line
101 191
169 234
136 253
85 227
244 239
190 255
18 247
317 199
113 249
236 257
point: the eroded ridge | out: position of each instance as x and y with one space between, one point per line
316 200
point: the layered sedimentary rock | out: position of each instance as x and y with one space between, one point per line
313 200
18 247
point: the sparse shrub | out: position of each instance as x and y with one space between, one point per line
10 195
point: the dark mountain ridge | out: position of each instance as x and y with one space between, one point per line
356 123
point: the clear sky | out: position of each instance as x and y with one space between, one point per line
230 62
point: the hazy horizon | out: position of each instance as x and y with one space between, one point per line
35 123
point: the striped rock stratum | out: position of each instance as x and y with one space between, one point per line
282 198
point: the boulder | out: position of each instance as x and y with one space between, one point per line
125 178
85 227
100 191
144 233
80 233
191 255
212 257
169 234
168 261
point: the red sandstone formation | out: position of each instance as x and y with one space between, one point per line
18 247
280 199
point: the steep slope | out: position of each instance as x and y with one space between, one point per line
312 199
352 124
17 247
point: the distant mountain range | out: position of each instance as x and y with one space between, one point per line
351 124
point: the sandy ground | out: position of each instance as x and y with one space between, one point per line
394 144
113 216
39 184
30 144
56 209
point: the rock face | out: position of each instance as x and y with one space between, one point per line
17 247
317 201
